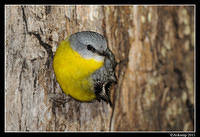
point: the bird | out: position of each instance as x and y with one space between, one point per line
84 67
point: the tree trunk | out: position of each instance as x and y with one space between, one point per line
154 48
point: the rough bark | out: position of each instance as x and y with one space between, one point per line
154 48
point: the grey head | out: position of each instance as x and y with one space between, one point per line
93 45
90 45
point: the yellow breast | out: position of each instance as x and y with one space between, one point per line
73 72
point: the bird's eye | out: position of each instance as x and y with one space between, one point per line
89 47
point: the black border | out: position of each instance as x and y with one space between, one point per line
112 2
